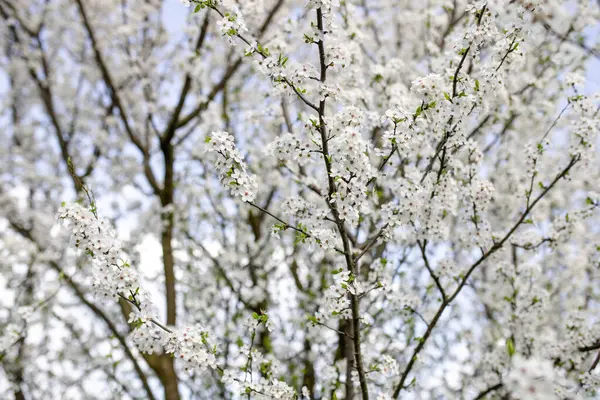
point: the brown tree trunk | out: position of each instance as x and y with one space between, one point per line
168 378
169 270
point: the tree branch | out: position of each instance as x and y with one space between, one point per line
495 247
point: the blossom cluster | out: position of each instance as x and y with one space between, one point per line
289 147
337 300
113 278
232 24
147 336
531 379
231 168
351 168
193 346
325 238
261 389
267 387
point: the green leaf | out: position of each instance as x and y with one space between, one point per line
259 47
282 60
300 237
476 85
510 347
418 111
198 8
137 323
540 148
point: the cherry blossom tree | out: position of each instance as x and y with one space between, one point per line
276 199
